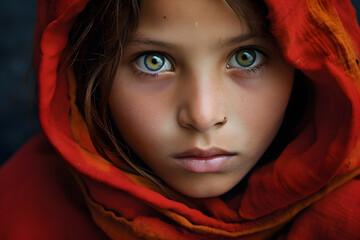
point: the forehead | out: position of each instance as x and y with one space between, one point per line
189 17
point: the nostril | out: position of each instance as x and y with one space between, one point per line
223 121
199 122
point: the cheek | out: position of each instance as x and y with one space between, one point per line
261 109
130 113
265 115
139 117
274 95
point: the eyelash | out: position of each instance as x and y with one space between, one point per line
145 74
249 71
254 70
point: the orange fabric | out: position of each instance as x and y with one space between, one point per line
311 186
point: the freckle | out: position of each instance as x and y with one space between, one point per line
164 17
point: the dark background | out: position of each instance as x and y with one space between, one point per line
18 116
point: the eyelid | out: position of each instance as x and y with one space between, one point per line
135 56
248 47
258 48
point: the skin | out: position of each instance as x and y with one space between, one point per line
183 107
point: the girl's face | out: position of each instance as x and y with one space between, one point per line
197 96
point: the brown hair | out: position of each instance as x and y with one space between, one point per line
93 54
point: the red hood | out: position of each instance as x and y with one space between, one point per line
320 38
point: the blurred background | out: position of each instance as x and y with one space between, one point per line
18 115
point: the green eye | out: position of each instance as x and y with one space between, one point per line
154 62
245 58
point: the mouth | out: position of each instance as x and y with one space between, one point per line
204 161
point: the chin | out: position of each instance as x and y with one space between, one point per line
203 191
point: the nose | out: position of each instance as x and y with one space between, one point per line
203 105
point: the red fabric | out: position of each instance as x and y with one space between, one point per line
303 194
39 198
338 214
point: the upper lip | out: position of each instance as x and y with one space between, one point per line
203 153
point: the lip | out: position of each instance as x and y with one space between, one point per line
204 160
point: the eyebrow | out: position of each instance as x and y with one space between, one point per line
222 43
143 39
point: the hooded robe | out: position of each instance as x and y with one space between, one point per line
58 187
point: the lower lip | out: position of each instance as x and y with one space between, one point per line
204 165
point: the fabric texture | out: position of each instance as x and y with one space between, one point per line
58 187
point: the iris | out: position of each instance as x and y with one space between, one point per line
154 62
245 58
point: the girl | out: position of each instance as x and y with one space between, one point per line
191 120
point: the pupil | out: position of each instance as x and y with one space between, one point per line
245 56
154 61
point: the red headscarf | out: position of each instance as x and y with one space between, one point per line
311 191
